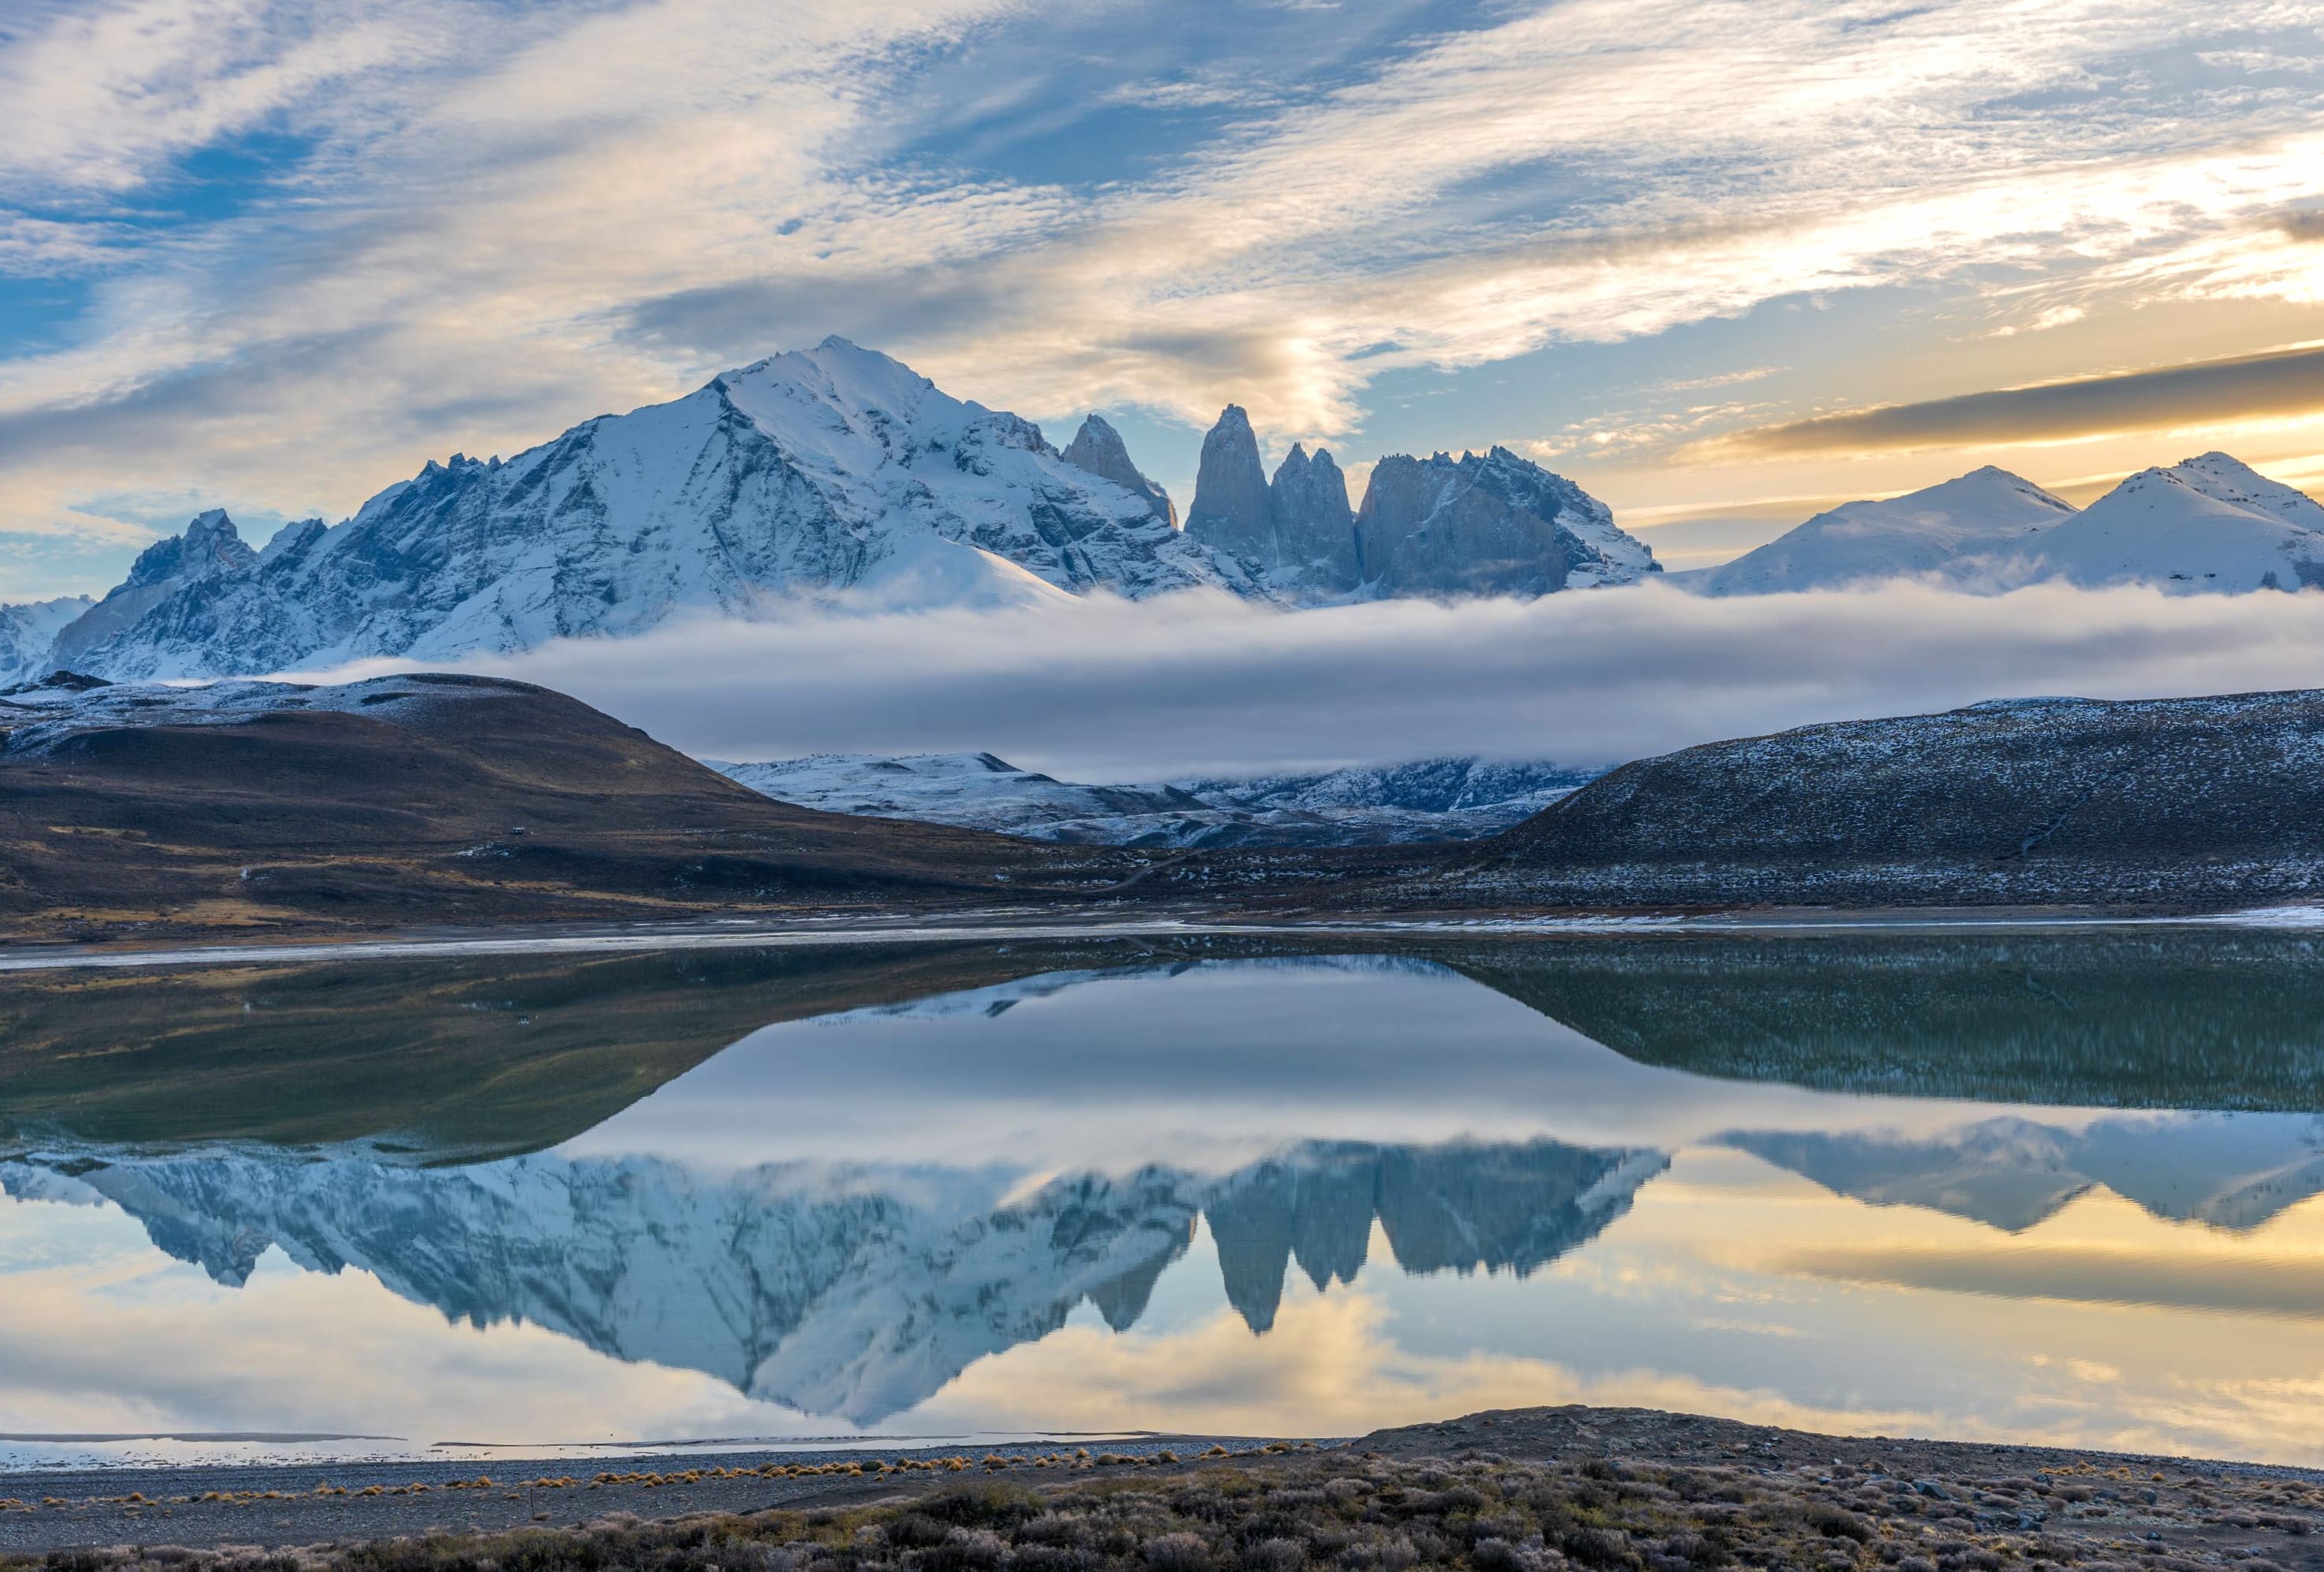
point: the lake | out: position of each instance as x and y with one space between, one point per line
2050 1186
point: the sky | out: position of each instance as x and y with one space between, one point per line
1723 262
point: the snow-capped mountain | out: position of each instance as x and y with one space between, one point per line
858 1291
1098 448
28 632
830 474
1984 513
2208 523
2211 522
1439 799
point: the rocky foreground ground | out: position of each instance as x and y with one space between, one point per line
1541 1490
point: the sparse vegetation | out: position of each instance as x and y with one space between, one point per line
1303 1511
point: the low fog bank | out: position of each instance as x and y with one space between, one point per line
1105 690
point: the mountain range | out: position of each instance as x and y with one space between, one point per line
2208 523
834 477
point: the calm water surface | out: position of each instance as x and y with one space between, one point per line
2057 1187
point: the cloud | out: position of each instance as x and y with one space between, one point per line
1109 691
2283 382
2301 224
2106 1274
557 210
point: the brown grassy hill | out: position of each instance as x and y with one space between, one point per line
428 798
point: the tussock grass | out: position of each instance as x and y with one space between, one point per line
1304 1512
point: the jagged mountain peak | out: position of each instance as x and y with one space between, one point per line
1099 448
210 544
1497 524
1229 510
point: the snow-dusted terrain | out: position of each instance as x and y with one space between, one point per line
1984 513
2208 523
1442 799
28 632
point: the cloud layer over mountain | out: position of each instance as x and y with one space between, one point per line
1105 690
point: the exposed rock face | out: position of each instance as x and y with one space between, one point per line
1314 544
211 549
1495 525
1230 511
1098 448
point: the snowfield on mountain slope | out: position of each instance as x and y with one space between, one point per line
1986 511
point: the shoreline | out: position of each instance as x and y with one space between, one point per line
741 934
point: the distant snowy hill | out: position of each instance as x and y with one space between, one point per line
2210 523
1983 513
1442 799
28 632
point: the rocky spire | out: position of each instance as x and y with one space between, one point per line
1490 524
1315 528
210 545
1231 503
1098 448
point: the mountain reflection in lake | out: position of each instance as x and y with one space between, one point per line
1214 1188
